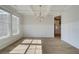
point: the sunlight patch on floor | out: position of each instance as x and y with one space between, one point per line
35 47
36 42
28 45
19 49
27 41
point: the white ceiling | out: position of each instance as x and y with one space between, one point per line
36 9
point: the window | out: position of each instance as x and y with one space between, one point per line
4 23
8 25
15 25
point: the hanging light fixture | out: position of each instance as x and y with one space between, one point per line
40 14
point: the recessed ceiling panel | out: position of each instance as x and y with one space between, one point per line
40 9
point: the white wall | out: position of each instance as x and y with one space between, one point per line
9 40
70 26
32 27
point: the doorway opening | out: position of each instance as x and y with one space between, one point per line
57 26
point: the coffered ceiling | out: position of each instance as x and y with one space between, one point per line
42 10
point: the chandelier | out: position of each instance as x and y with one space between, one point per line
40 14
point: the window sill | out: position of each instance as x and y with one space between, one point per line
3 37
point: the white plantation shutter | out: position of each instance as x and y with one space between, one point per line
15 25
4 23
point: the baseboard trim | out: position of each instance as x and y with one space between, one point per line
38 37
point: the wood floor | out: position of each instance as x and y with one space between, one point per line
40 46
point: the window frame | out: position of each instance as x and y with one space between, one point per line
18 23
